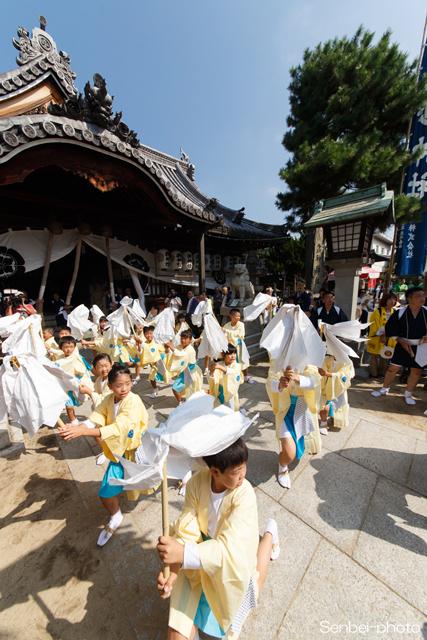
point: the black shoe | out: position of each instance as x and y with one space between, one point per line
373 377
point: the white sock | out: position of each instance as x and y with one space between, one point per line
75 421
137 379
382 392
115 522
284 479
408 398
271 527
243 412
323 431
101 459
154 394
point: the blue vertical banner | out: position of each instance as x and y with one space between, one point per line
411 242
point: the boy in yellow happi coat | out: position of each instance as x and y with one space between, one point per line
150 353
183 364
120 421
336 379
295 399
235 331
217 563
101 365
73 363
225 379
49 341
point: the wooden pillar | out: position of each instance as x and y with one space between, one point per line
202 270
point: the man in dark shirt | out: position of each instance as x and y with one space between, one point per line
328 312
409 326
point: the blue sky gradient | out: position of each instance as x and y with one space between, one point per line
210 76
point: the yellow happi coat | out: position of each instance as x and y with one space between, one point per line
281 402
332 388
100 393
230 384
151 352
53 346
107 344
235 336
178 361
228 561
75 366
121 435
378 319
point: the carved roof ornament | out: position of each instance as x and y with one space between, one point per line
96 107
41 49
190 167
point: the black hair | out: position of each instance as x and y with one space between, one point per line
64 328
155 306
102 318
187 333
118 370
66 339
49 328
412 290
181 315
234 311
99 357
147 329
233 456
230 349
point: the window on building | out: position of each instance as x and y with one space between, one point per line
382 250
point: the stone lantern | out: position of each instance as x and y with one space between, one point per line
348 223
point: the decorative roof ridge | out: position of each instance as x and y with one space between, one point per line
38 56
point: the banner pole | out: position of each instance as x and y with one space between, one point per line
387 279
165 513
110 273
76 269
39 303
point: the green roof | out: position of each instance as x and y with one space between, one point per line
363 203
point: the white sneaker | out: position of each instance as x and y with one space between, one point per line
154 394
249 381
323 431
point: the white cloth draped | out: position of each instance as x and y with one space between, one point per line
164 330
214 340
78 321
349 330
192 430
259 305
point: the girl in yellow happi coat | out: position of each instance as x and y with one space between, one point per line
73 363
285 389
182 363
180 326
217 563
225 379
235 331
120 421
336 379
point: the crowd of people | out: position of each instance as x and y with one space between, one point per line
215 539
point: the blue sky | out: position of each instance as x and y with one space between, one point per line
208 76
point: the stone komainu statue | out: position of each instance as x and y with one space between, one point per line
241 286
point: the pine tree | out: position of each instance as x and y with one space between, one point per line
351 104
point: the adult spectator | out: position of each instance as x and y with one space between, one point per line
377 339
109 302
409 324
17 304
191 307
217 302
305 299
60 309
173 301
328 312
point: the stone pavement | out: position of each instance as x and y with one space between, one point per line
353 528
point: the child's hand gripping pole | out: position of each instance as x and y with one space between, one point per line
165 512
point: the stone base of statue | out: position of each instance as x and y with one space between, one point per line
253 330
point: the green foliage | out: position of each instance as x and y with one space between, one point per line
289 258
351 104
408 209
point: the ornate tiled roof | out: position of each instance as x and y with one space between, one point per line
88 121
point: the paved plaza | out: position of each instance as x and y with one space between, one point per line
353 533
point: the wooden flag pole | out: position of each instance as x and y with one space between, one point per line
76 269
130 321
165 512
